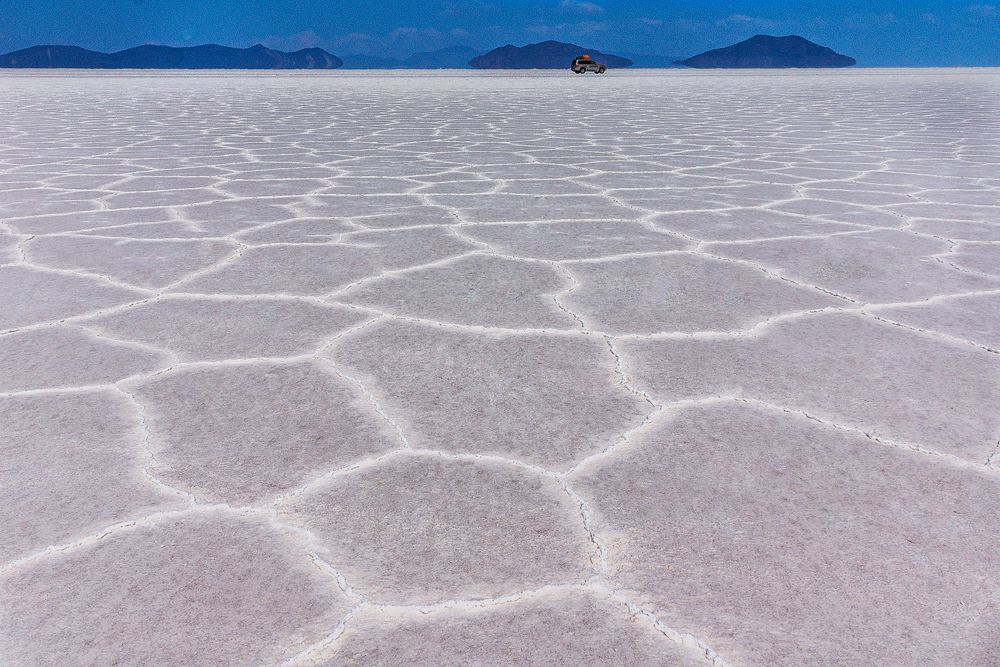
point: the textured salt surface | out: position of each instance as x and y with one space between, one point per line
661 368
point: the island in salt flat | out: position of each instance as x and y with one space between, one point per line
206 56
544 55
767 52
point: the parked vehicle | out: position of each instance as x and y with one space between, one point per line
584 64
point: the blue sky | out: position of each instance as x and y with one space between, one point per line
876 32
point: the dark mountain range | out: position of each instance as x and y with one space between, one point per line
546 55
362 61
764 51
453 57
207 56
651 61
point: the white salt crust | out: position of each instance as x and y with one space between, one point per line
440 368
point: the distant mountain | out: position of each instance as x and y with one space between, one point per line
546 55
453 57
764 51
361 61
207 56
650 61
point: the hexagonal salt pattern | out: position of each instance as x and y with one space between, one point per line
547 399
432 368
741 224
870 267
34 296
203 588
427 529
889 382
975 318
582 628
242 433
982 258
316 270
774 538
573 240
148 264
477 290
200 329
682 293
72 465
63 357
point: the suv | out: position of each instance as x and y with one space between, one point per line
585 64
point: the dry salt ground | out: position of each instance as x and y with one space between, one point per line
653 368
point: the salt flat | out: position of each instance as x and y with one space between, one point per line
651 368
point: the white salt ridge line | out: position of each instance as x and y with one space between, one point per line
188 365
950 459
388 273
573 285
647 222
473 604
753 331
222 200
338 239
20 247
87 388
994 461
314 648
762 326
626 437
371 398
539 221
581 260
74 319
343 239
408 451
778 275
331 340
81 273
953 241
681 638
84 234
639 254
553 222
85 317
150 457
483 245
326 478
315 191
103 337
400 613
149 521
7 230
211 189
109 187
863 229
236 254
930 332
458 326
961 269
22 258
